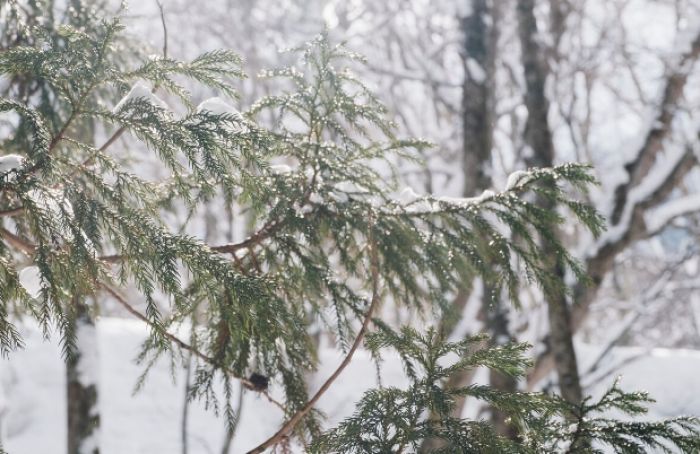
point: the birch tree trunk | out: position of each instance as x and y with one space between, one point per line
82 371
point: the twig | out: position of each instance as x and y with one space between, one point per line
604 375
74 112
284 431
265 232
57 138
11 212
165 29
17 241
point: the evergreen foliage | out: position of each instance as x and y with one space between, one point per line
393 420
331 239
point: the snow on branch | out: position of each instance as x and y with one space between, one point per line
659 130
658 219
666 175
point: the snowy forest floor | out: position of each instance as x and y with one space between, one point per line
32 413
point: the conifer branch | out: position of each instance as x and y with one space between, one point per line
267 230
185 346
289 426
30 248
75 110
313 238
122 129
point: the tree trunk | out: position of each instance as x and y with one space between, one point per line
496 312
478 104
480 40
81 383
538 137
637 171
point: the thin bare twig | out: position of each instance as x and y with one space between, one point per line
165 29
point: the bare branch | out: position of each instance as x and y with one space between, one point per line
659 131
658 219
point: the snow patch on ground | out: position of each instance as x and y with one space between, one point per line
32 381
88 362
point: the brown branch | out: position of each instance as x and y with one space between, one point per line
111 259
599 265
108 143
74 112
117 134
17 241
287 427
30 248
185 346
57 138
11 212
265 232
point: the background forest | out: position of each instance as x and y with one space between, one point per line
488 89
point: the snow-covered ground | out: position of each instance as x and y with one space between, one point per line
32 395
